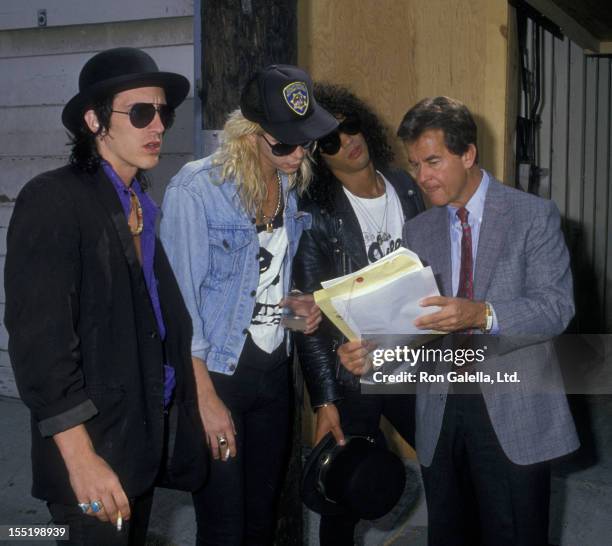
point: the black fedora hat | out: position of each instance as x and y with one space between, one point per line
280 98
115 70
362 478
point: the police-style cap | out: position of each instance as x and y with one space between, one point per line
280 99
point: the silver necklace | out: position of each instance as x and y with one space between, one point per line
381 235
269 220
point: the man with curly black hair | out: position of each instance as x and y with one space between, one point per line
358 205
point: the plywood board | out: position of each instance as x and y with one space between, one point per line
393 53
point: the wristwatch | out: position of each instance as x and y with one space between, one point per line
489 318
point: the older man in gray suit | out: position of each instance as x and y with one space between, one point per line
502 268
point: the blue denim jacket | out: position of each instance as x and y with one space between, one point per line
212 244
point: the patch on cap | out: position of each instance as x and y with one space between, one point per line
296 97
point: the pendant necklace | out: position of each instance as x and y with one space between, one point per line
136 207
381 227
269 220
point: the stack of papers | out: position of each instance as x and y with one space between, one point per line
381 298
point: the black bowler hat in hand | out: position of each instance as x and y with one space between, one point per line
115 70
362 478
280 99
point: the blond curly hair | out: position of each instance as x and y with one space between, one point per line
239 161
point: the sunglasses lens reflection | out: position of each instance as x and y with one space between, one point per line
330 144
281 149
142 114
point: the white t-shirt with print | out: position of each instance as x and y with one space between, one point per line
265 328
381 220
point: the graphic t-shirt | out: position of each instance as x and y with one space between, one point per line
381 220
265 328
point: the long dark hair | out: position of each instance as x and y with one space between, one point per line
340 101
84 152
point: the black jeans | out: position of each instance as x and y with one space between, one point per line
238 504
90 531
475 495
360 415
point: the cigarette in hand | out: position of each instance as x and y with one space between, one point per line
119 523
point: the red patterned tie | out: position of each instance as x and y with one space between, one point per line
466 283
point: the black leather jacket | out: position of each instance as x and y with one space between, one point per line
333 247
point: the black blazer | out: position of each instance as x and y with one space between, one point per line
84 342
333 247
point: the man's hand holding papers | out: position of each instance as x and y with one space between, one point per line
454 314
382 298
397 296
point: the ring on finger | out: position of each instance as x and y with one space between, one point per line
96 506
222 440
84 506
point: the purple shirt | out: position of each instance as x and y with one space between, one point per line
147 246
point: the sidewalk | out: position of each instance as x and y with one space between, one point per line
172 520
580 508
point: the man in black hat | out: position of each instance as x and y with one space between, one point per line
357 479
99 333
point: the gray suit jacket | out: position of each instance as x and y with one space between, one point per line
522 270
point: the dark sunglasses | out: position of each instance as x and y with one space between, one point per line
280 149
330 144
142 113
